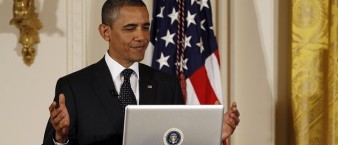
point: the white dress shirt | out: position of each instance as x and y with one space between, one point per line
115 71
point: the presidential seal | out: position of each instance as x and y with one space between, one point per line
173 136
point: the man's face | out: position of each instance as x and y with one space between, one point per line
129 35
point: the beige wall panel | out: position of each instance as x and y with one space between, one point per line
96 45
253 65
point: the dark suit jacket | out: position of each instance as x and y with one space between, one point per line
95 112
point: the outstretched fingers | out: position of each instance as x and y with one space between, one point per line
59 116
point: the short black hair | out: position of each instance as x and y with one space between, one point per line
111 9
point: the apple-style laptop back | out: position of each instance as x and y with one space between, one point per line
173 125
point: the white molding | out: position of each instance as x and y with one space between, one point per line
76 35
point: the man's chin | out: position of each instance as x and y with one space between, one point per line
138 59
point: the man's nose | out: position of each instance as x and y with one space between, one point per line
141 35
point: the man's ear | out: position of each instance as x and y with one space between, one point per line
104 31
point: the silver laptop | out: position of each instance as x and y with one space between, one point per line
173 125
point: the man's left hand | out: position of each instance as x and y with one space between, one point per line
230 121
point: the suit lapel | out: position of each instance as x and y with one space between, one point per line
147 86
103 85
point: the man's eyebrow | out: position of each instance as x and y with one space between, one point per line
135 25
130 25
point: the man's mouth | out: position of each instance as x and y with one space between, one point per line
139 46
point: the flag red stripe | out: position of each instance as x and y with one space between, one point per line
217 56
202 87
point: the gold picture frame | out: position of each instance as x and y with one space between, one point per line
26 20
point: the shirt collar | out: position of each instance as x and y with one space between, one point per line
115 68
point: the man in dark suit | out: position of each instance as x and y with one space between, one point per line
90 109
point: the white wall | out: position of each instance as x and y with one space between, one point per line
26 92
96 46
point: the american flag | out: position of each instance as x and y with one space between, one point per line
185 45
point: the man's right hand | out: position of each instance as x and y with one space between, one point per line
59 118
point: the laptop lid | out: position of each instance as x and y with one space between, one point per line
173 125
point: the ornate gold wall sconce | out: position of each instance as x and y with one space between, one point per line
26 20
